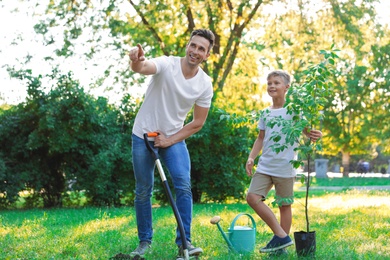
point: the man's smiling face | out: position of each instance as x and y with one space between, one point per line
197 50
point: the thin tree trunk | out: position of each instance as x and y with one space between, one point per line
307 195
345 162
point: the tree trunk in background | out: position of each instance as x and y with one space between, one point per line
345 162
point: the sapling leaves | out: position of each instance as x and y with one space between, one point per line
305 102
296 163
280 201
236 119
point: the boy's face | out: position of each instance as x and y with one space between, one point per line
276 87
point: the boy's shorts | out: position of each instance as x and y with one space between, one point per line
261 184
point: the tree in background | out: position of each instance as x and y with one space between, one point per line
127 23
66 140
251 37
250 41
62 137
354 113
381 73
361 83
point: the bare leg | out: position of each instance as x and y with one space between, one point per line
285 218
266 214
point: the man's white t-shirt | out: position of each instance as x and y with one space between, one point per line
270 162
169 97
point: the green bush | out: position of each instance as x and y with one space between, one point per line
218 155
65 140
60 136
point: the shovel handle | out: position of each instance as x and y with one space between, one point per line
179 221
152 134
150 148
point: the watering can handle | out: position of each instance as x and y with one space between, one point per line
242 214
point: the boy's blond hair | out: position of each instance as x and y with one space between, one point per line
284 75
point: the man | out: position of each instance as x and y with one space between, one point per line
178 84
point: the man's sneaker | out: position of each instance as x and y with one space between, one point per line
141 250
277 243
192 250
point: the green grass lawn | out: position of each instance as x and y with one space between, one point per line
349 224
352 181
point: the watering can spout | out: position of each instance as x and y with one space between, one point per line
215 221
240 239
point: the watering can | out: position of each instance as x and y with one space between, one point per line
240 239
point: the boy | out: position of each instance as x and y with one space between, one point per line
274 168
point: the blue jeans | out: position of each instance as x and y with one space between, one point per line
177 160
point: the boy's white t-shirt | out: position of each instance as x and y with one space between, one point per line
270 162
169 97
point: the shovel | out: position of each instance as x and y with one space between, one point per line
169 194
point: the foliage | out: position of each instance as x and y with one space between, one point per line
381 87
251 40
361 90
218 159
162 29
17 166
306 102
62 137
75 142
350 116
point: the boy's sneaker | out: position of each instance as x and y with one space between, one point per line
277 243
192 250
141 250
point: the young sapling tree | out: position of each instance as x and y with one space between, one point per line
306 102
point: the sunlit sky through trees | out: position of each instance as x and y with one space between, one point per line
18 40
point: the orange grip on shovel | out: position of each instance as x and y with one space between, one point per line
153 134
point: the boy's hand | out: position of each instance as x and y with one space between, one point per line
314 135
249 166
